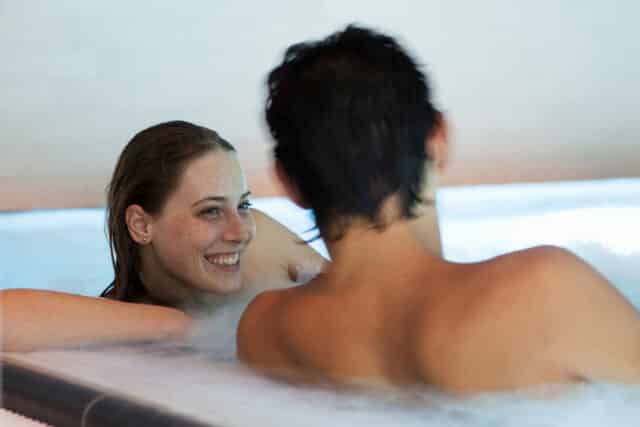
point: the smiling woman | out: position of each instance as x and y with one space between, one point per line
178 224
181 232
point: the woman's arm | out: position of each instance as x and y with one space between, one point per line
276 258
39 319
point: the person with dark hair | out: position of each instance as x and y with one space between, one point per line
181 233
358 140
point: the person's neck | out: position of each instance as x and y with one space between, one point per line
164 290
364 250
426 227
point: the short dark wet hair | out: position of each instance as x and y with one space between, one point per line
349 115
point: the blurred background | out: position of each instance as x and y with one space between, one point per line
535 91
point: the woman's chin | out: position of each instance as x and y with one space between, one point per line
231 286
222 279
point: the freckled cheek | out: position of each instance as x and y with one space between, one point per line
203 236
190 236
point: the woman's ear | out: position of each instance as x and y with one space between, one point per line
139 224
437 143
290 188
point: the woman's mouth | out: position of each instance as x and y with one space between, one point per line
226 261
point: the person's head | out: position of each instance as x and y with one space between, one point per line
178 214
350 116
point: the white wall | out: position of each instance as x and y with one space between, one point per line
536 90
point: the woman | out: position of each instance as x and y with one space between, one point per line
183 240
353 124
180 237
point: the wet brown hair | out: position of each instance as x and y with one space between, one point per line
147 173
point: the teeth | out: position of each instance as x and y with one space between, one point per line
224 259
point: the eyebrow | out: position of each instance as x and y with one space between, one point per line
219 198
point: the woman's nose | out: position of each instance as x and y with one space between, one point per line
237 229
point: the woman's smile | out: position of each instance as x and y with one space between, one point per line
228 262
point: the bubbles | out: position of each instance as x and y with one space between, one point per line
215 333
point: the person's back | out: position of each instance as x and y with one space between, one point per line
357 140
409 317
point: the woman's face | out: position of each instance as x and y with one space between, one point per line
201 233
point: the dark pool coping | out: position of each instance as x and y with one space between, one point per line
60 402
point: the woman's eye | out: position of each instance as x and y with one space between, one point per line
244 206
211 212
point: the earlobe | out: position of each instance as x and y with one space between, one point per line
138 224
290 188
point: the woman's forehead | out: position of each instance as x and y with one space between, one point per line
217 173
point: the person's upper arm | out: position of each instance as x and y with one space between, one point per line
598 328
276 257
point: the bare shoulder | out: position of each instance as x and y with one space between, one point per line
545 282
259 336
265 221
587 325
270 230
544 314
277 334
256 331
277 258
545 270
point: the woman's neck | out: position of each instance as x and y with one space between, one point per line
163 289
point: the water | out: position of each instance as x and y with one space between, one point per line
597 220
